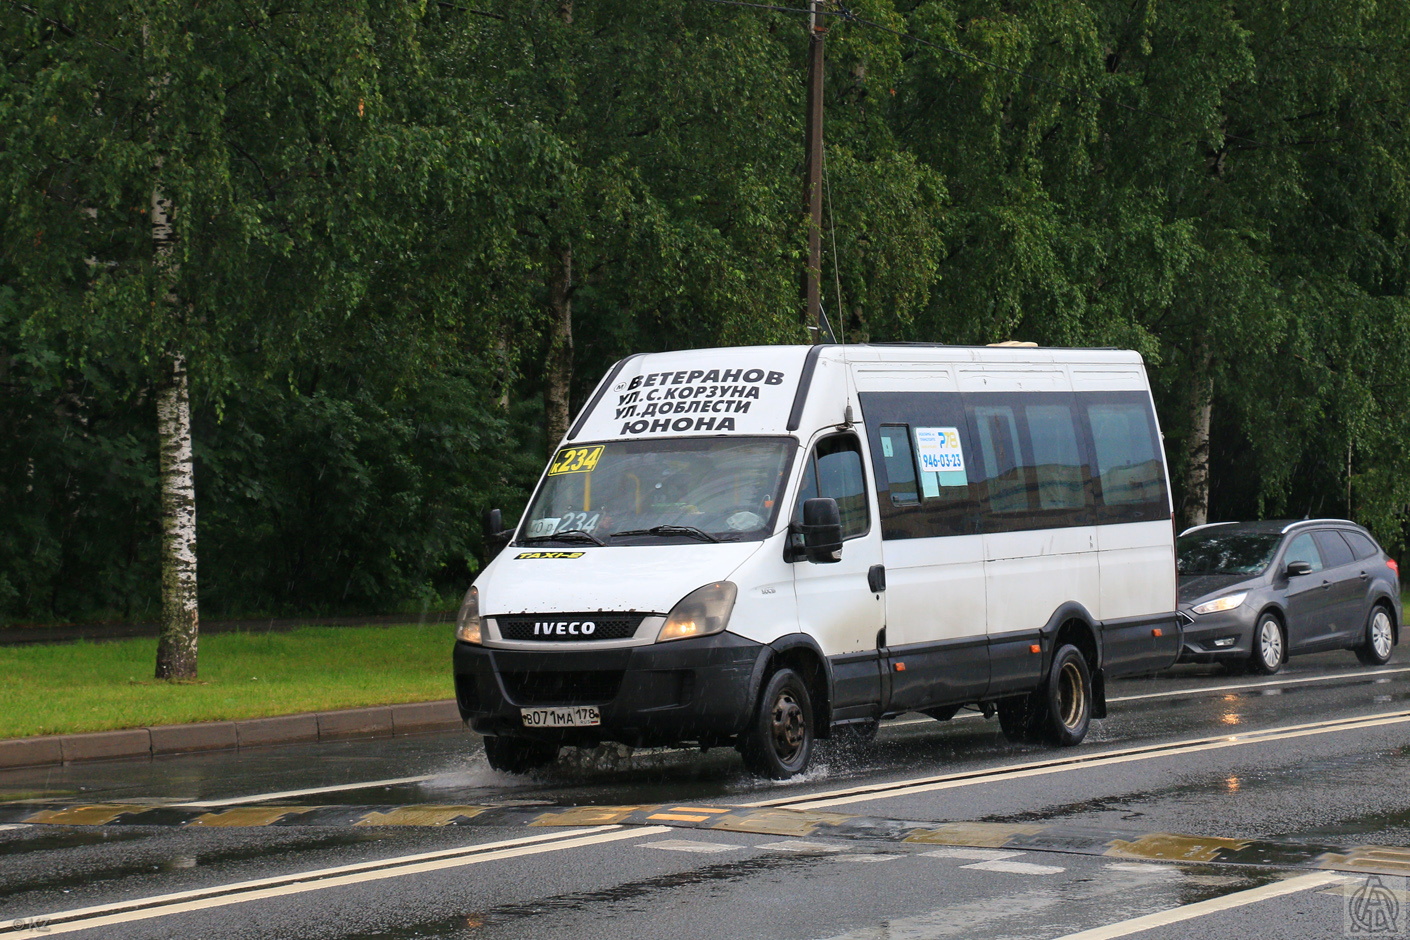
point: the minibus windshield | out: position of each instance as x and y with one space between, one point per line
1212 551
672 489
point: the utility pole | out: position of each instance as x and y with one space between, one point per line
812 190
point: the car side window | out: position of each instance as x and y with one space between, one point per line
1303 548
835 469
1361 546
1335 551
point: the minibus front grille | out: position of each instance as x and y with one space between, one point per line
582 687
545 628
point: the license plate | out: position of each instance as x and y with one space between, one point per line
579 716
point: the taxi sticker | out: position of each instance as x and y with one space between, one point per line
575 460
549 555
941 458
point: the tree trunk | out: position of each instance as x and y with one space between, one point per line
560 349
180 618
1197 455
176 649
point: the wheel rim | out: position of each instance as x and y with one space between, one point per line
1380 634
1270 644
1072 695
790 731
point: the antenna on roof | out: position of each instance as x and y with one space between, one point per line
822 333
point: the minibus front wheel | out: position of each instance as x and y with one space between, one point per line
517 755
779 740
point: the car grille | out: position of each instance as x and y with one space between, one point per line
605 626
586 687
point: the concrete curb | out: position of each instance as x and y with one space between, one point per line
347 724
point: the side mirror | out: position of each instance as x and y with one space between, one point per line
1297 569
493 524
822 531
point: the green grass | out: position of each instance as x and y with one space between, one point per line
70 687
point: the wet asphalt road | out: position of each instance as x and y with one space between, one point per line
1261 759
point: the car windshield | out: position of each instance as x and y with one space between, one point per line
709 489
1224 551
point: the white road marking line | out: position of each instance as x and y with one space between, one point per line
689 845
395 781
1258 685
9 827
301 882
1176 693
1143 868
973 855
1016 868
798 845
1059 765
873 857
312 791
1190 911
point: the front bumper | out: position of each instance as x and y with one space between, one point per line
665 693
1203 634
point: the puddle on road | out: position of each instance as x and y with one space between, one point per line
633 897
81 875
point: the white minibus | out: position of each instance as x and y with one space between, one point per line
762 546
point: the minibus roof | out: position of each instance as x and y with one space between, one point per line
762 390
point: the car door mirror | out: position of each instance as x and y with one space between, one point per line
1297 569
822 530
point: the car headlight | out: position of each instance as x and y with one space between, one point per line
1227 602
467 623
702 612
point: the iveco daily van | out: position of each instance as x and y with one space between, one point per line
757 546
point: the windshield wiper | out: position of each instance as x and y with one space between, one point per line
688 530
565 535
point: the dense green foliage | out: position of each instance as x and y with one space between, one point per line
370 198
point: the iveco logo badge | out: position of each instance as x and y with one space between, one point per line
564 628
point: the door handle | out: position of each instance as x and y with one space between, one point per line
876 578
1363 576
1326 585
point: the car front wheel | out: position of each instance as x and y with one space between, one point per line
1267 646
1375 648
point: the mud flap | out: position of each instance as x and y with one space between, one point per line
1099 694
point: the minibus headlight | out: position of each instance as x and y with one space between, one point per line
1227 602
702 612
467 624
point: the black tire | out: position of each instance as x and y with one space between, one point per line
1378 640
1064 709
1016 718
518 755
779 740
1269 646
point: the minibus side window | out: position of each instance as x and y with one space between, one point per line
835 470
1128 463
899 463
1003 464
1057 460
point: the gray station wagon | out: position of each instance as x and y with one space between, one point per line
1254 593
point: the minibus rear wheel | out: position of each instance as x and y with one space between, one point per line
779 740
517 755
1066 699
